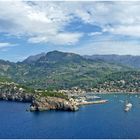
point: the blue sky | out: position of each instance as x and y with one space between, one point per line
86 28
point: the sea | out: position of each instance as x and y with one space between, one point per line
104 121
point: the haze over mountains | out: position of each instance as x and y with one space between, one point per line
132 61
129 60
59 70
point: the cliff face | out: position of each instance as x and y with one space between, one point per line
21 97
52 103
13 92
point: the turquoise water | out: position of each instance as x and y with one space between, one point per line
91 121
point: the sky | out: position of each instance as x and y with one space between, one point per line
86 28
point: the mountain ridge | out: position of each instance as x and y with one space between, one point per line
128 60
60 70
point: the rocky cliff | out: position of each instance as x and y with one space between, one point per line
21 97
13 92
52 103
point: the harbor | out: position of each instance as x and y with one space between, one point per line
95 117
87 99
91 98
93 102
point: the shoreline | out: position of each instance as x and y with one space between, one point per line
57 103
114 92
78 93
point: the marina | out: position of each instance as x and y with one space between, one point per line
93 102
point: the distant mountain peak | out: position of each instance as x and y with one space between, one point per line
53 57
58 56
56 52
128 60
34 58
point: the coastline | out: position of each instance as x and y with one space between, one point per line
67 100
116 93
55 103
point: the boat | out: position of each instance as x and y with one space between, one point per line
93 102
92 97
128 106
96 97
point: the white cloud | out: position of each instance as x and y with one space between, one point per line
38 39
39 21
95 33
6 44
118 17
59 39
130 30
45 21
108 47
67 38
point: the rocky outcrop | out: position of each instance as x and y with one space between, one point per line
52 103
21 97
13 92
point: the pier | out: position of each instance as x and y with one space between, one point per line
93 102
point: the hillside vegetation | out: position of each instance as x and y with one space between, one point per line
128 81
59 70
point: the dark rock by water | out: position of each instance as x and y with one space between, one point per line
13 92
52 103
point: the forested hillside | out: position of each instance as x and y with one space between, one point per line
59 70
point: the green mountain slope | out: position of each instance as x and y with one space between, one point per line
128 81
59 70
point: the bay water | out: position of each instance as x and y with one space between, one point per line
91 121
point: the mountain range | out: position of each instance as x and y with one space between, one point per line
129 60
61 70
